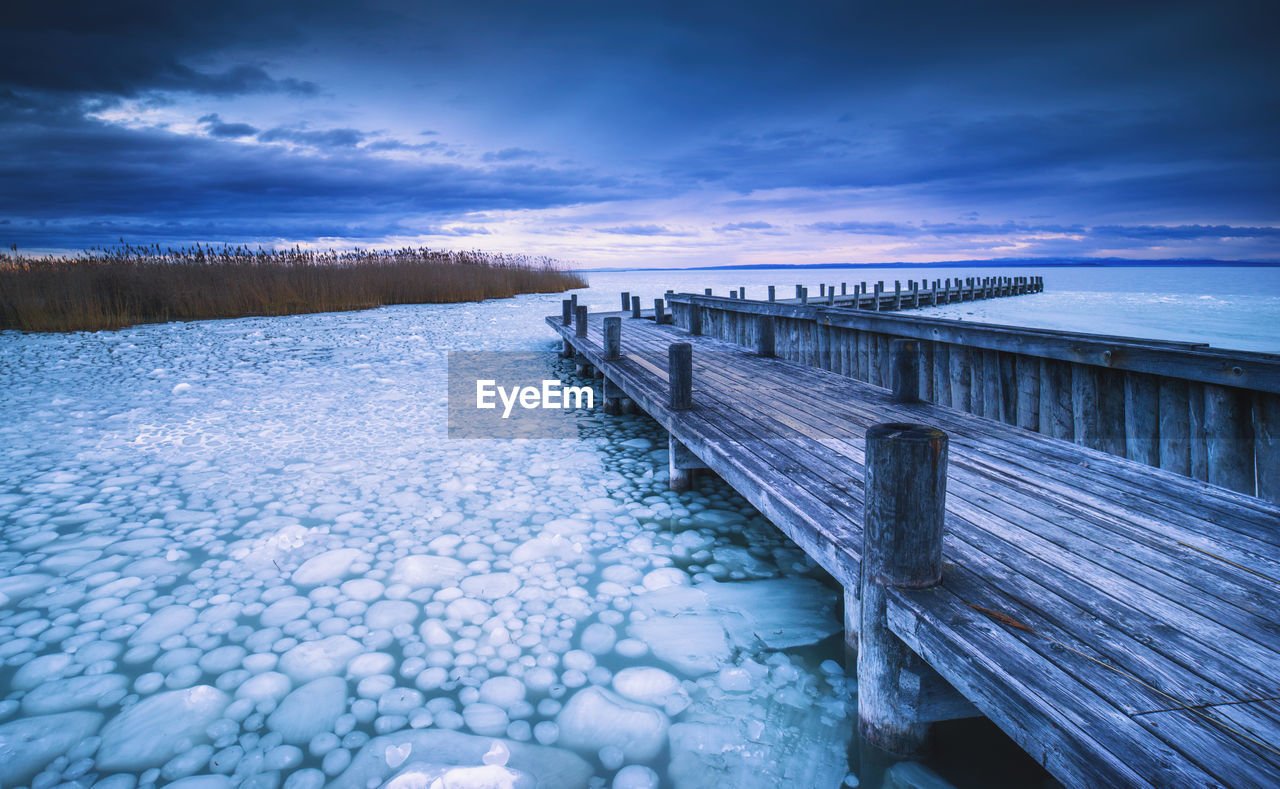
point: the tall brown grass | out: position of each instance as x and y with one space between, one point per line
108 288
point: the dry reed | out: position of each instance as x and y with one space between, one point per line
108 288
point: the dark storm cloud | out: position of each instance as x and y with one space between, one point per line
216 127
1133 122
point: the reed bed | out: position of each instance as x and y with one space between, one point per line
109 288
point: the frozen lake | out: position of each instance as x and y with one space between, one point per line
245 553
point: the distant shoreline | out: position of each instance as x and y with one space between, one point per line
999 263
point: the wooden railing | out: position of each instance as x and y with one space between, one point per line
1198 411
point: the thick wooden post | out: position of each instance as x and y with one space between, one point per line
773 293
1141 418
961 379
580 322
1228 432
574 301
905 362
1196 436
799 290
695 319
765 336
1084 405
626 301
905 493
613 396
566 312
681 464
1266 443
612 338
1175 426
1111 411
635 306
707 291
1027 369
680 375
804 295
658 314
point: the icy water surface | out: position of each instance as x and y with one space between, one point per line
245 554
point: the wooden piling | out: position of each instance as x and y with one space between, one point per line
680 375
773 293
659 316
695 319
580 322
1141 418
905 497
612 338
1228 428
1266 443
1175 426
635 306
566 309
905 362
626 301
765 336
613 396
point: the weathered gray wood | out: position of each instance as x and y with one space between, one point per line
1111 432
659 315
1199 449
626 301
772 293
1008 388
1028 371
566 349
580 322
682 465
905 363
926 372
989 377
961 378
1175 426
1266 443
635 306
613 397
1055 399
942 374
1085 409
567 311
905 503
680 375
1141 418
1228 426
612 338
695 319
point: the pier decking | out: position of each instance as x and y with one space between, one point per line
1117 620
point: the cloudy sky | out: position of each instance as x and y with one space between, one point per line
683 133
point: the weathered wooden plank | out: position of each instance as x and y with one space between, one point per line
1175 426
1028 372
1141 418
1266 445
1228 426
1085 406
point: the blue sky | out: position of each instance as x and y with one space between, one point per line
614 134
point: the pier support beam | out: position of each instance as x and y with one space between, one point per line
683 465
905 362
680 375
905 490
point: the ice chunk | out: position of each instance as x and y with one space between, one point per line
648 685
314 659
328 567
426 570
485 719
15 587
550 767
635 776
268 685
386 614
310 710
502 692
166 622
490 586
595 718
286 609
913 775
598 638
426 775
28 744
540 548
694 644
148 733
779 613
60 695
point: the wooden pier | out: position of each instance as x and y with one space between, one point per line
1119 620
913 294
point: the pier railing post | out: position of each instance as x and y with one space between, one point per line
765 336
695 319
680 375
905 491
580 322
626 301
612 338
635 306
904 358
658 317
773 293
566 312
